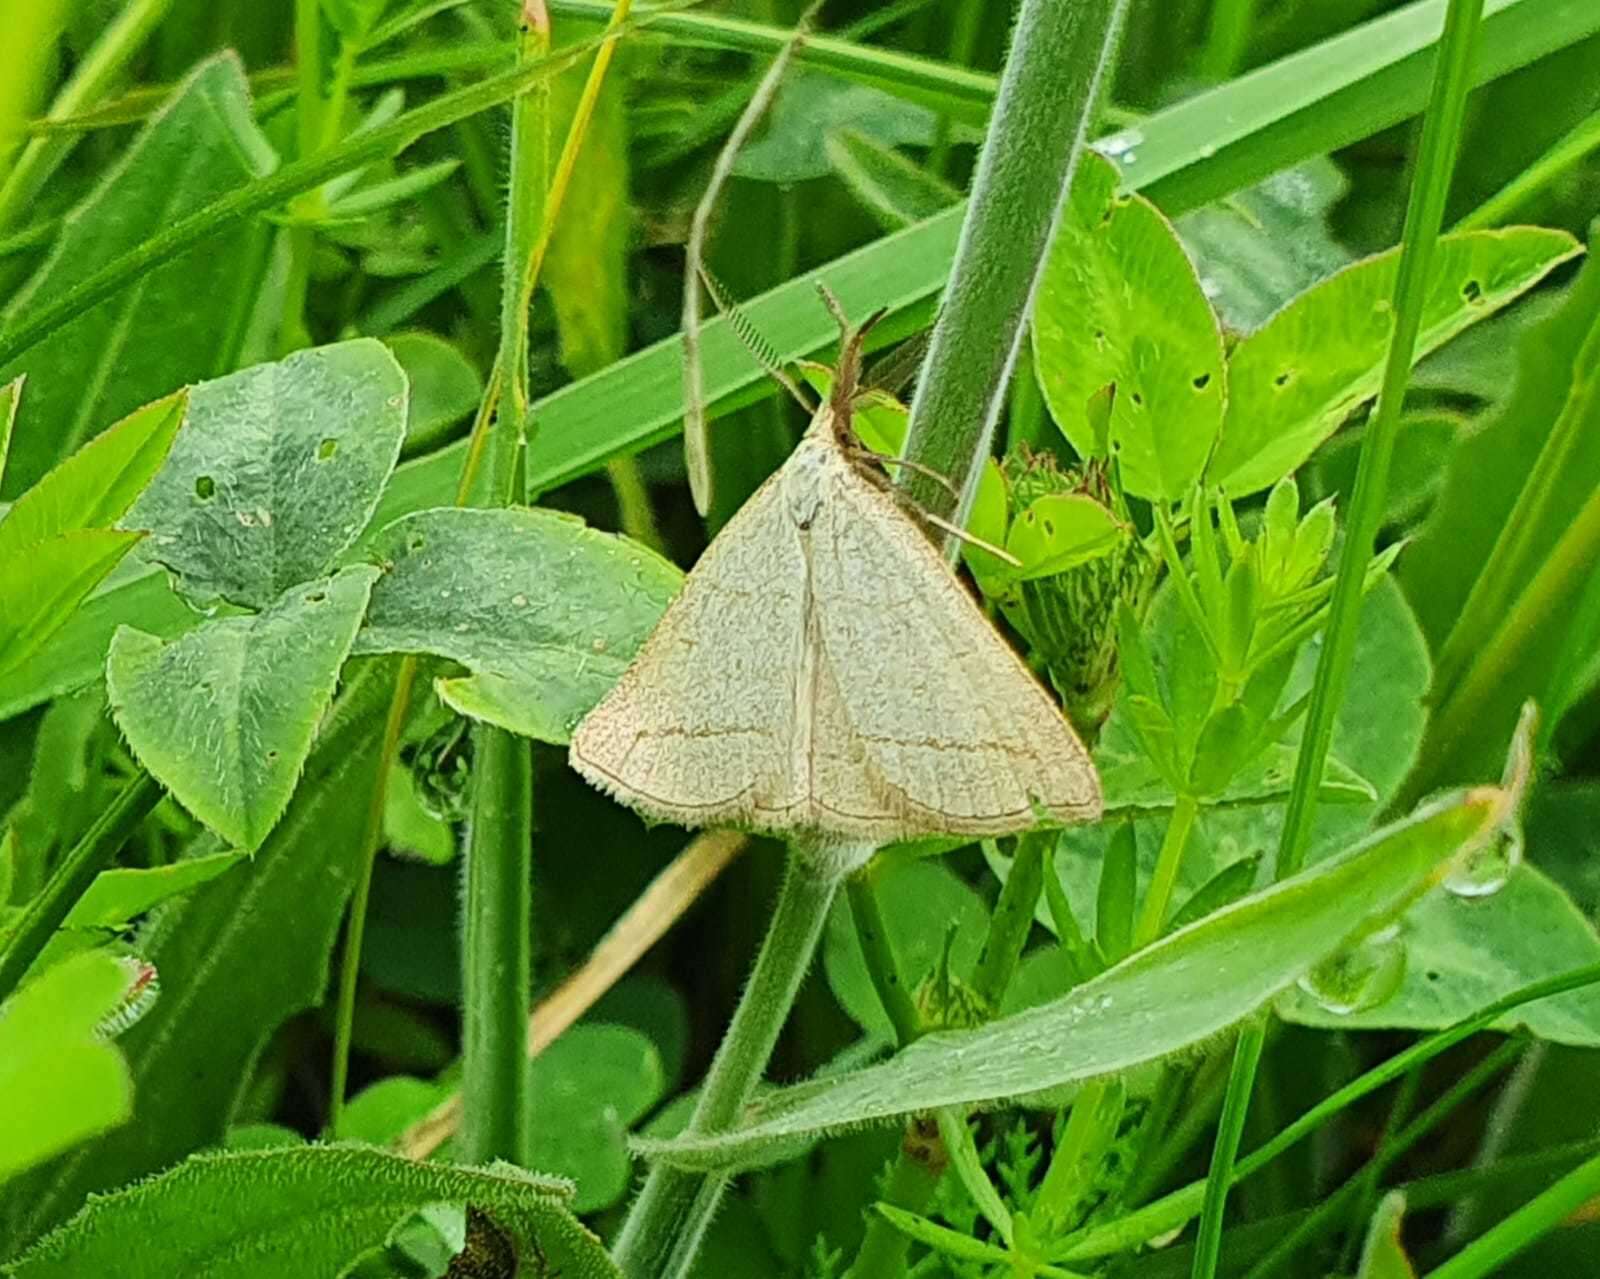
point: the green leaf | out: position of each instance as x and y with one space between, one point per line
224 716
40 590
481 588
1197 150
893 188
586 269
1463 953
587 1089
371 199
96 485
237 957
1293 381
445 387
380 1112
1383 1256
1180 991
1229 884
60 1081
925 907
10 394
301 1211
1119 303
165 331
277 470
1061 531
1264 245
1442 563
118 896
808 108
353 19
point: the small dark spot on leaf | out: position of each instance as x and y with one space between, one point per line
205 488
272 755
327 449
415 542
1283 379
1049 529
1203 381
1432 976
1472 292
316 597
1137 398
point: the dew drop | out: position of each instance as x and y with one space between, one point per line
1362 975
521 601
1485 870
1120 144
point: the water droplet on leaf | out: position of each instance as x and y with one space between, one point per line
1362 975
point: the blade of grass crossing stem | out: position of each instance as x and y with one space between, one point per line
1488 1253
665 1223
1047 95
68 882
1436 156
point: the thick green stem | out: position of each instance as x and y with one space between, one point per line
913 1177
497 961
71 879
1158 899
674 1203
1041 114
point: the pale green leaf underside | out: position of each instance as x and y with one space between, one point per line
276 471
60 1083
544 611
264 1214
224 715
1189 986
1295 379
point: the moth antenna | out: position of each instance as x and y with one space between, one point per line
695 450
755 341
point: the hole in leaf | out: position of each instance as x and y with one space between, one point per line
1472 292
1137 398
327 449
1049 529
1432 976
1203 381
316 597
205 488
1283 379
415 542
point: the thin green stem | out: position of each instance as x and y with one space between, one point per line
963 44
1570 150
1173 1209
1158 900
497 951
1441 136
913 1177
1230 1128
1227 39
1488 1254
666 1208
1041 116
71 879
1356 1188
355 927
873 934
121 40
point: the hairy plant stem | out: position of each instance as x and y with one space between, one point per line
1041 115
71 879
665 1222
1441 136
